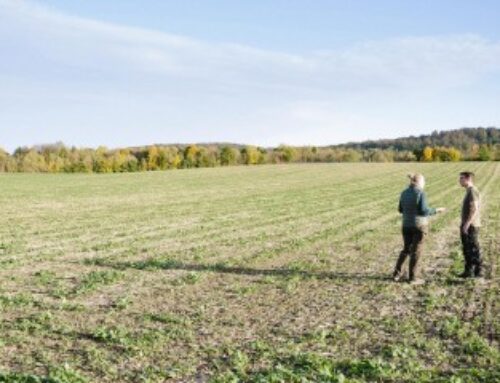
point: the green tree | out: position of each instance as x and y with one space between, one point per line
228 156
101 161
286 153
351 155
379 156
190 156
32 161
206 158
484 153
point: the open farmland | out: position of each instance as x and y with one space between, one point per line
269 273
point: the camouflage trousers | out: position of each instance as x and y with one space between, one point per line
413 238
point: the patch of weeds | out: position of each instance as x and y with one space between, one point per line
475 345
410 327
290 283
66 374
17 300
15 377
95 261
9 261
406 358
118 335
69 306
112 335
326 336
4 248
263 362
153 264
121 303
45 277
176 328
456 267
190 278
37 322
219 266
471 375
450 327
303 367
56 375
430 301
149 374
167 318
268 280
96 279
399 352
245 290
102 246
366 247
300 266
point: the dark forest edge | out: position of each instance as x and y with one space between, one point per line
467 144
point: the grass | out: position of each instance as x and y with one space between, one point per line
251 274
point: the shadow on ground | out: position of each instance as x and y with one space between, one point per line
156 264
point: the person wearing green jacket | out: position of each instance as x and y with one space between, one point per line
415 209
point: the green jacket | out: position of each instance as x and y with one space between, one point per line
414 207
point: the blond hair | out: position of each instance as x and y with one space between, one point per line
416 179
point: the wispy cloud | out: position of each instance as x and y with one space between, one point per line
231 90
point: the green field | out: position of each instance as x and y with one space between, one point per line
267 273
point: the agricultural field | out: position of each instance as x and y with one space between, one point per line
275 273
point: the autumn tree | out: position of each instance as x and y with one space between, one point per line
190 156
427 154
251 155
228 156
101 162
153 158
31 162
7 163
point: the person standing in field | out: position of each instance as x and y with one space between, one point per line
416 211
469 227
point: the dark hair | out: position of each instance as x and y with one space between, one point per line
467 175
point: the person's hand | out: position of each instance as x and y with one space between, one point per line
440 210
465 228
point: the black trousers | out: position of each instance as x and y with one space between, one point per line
413 239
471 250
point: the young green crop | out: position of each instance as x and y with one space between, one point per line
264 273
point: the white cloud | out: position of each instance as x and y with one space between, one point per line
200 91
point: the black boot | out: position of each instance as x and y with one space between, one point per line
466 274
397 276
478 271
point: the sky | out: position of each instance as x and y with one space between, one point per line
262 72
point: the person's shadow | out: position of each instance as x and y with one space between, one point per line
158 264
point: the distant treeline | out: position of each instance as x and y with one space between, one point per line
469 144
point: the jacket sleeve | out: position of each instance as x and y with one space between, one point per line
423 206
400 206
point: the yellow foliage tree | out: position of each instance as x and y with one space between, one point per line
153 158
427 154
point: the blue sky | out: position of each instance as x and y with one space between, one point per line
262 72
